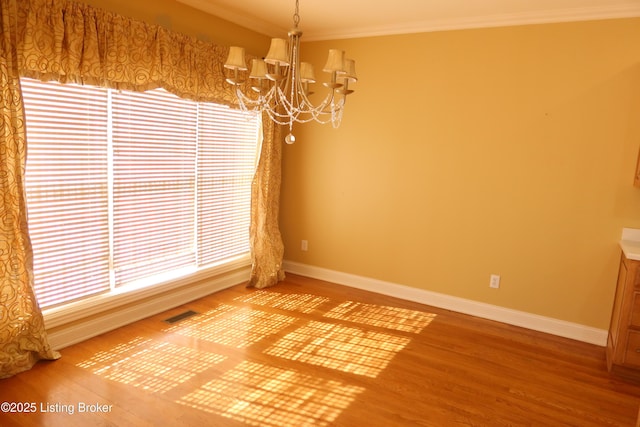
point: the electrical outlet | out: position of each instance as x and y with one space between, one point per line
494 281
304 245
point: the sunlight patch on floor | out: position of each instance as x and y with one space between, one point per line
351 340
304 303
268 396
399 319
151 366
237 327
339 347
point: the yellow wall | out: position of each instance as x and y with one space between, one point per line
465 153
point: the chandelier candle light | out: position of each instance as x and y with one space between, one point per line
282 81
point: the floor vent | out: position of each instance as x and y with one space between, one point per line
180 317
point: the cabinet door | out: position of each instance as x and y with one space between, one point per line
632 350
635 311
614 329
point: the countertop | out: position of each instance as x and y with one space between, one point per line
630 243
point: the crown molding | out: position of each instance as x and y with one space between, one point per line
631 10
237 17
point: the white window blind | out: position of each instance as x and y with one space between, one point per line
67 194
226 164
154 171
124 187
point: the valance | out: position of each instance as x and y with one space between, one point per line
72 42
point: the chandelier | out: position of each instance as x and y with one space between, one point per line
281 82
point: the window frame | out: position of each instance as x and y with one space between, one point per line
236 267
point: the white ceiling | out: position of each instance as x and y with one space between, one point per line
336 19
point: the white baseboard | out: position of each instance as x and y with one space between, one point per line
98 323
487 311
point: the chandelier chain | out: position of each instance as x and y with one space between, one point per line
296 15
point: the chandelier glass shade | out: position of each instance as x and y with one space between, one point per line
281 82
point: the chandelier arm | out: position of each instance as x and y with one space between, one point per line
305 112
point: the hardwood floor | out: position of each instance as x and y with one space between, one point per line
311 353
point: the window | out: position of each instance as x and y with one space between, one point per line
128 189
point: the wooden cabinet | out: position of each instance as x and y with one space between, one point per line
623 343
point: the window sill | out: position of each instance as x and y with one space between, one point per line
78 321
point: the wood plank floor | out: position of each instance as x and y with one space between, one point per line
311 353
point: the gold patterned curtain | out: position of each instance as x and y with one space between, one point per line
72 42
267 248
23 339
